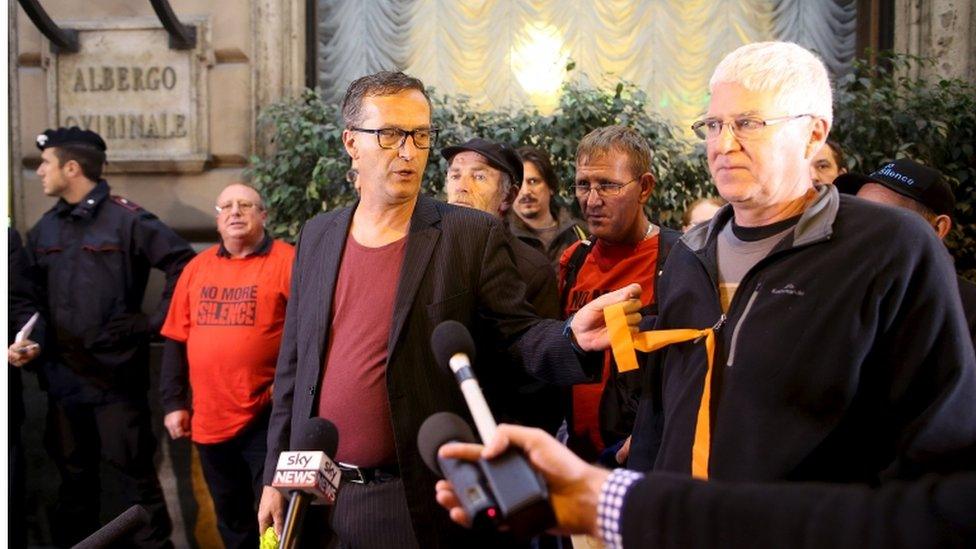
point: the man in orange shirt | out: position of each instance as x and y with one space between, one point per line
613 183
223 332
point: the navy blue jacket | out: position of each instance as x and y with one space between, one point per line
92 262
844 355
667 511
21 306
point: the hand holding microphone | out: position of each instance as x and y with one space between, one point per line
574 485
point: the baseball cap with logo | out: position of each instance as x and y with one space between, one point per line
499 156
907 178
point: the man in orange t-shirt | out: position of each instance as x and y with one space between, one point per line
613 182
223 333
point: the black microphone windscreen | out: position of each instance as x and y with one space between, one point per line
318 434
437 430
117 530
449 338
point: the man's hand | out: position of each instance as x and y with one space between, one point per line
574 485
589 327
22 352
177 423
271 510
624 452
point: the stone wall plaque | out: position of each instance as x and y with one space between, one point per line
148 101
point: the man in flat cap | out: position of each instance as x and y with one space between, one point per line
485 176
907 184
91 254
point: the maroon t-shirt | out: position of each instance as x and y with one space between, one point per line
353 394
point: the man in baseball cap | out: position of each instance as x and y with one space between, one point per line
482 175
907 184
923 186
486 175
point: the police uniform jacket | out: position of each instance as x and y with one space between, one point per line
92 262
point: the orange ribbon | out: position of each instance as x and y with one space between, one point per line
625 344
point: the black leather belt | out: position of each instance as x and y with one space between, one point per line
366 475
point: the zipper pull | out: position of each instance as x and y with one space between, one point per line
719 323
715 327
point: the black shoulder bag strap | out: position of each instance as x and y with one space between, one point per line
573 267
666 240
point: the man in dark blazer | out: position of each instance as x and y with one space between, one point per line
369 285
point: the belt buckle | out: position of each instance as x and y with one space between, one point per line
350 468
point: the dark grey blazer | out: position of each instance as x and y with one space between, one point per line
457 265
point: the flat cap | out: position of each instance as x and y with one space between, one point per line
499 156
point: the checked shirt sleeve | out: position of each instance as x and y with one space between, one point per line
609 508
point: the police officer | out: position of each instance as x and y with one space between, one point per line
92 253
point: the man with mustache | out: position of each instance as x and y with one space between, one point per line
484 175
536 217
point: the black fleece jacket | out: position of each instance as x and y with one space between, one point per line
844 355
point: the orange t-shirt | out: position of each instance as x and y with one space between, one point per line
230 312
608 267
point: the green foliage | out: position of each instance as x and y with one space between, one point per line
882 115
306 172
879 115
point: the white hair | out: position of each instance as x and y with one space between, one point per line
793 73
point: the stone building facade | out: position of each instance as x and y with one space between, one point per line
180 124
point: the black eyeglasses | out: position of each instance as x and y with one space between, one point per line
394 138
605 188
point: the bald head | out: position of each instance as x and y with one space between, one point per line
240 218
240 190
